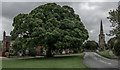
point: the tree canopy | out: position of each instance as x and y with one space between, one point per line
90 45
114 18
52 26
117 49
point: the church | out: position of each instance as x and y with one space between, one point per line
101 38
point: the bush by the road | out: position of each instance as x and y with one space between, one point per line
7 54
106 54
117 49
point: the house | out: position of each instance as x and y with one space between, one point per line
7 43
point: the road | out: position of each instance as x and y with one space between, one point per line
93 60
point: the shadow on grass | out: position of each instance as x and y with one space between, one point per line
55 57
66 56
46 69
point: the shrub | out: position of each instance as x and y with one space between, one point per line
7 54
90 45
17 46
11 54
76 50
117 49
112 45
32 52
41 51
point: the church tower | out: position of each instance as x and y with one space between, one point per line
101 38
4 43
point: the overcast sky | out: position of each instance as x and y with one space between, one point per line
90 13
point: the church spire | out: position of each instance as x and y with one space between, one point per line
4 33
101 28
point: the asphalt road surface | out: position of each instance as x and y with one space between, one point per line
93 60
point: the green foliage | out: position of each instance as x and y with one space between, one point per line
32 52
117 49
106 54
90 45
12 54
41 51
75 50
114 18
51 26
106 47
111 42
112 45
17 46
7 54
115 45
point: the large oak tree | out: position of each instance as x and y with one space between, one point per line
52 26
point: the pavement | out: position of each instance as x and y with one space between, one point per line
94 60
2 58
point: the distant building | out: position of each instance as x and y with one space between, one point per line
101 38
7 43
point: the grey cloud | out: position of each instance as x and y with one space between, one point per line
60 0
92 18
0 20
12 9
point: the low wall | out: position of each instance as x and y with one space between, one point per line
2 53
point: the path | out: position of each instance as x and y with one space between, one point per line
93 60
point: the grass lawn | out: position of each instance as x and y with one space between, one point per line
64 61
0 64
106 54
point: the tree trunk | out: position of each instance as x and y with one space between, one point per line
49 52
